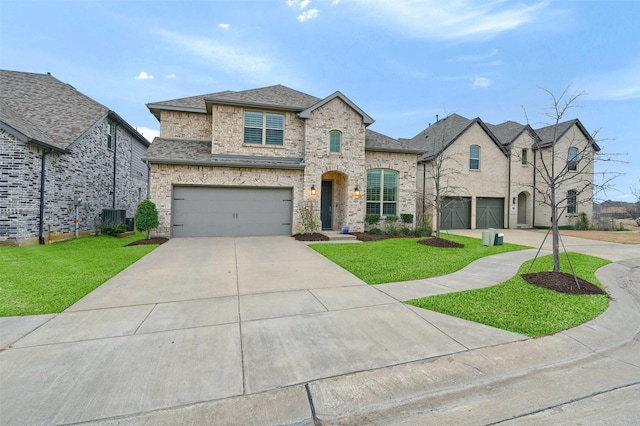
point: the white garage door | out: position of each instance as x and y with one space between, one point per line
222 211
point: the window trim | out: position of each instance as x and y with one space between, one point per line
524 157
471 159
339 133
572 160
381 202
264 129
572 201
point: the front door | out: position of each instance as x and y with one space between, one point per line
522 208
326 200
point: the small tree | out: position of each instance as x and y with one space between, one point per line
308 217
146 217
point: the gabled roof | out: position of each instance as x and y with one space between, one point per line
509 131
41 109
440 135
546 134
276 97
366 119
374 141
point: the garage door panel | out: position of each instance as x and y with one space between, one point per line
222 211
490 213
456 213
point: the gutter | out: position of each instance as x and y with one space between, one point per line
115 163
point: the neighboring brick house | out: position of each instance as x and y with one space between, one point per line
489 176
58 146
253 162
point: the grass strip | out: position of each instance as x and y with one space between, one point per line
402 259
49 278
520 307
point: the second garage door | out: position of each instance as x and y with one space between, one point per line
222 211
456 213
489 213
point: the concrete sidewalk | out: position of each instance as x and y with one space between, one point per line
266 331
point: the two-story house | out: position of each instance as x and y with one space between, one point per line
493 176
64 158
254 162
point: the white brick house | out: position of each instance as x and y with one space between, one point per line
247 162
56 146
491 177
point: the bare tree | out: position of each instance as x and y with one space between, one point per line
564 166
439 170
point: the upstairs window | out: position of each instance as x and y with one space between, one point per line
474 157
382 192
335 141
263 128
525 155
572 205
110 129
572 159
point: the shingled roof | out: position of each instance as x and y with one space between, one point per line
547 133
44 110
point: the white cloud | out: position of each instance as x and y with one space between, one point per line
232 59
292 3
304 3
615 85
224 26
171 76
481 82
148 133
309 14
451 20
144 76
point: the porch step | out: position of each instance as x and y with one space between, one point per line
337 236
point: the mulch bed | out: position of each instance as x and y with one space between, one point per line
562 283
366 236
315 236
440 242
157 240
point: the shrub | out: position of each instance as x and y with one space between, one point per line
372 218
422 231
406 217
391 229
391 219
112 229
375 231
582 223
146 217
404 231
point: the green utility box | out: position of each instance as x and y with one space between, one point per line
499 239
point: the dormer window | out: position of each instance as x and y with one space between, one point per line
335 141
263 128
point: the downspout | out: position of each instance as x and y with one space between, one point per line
115 158
424 193
42 182
533 206
148 179
509 196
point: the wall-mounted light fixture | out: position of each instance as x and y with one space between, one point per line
313 190
356 192
514 200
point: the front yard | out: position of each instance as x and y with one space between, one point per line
48 279
402 259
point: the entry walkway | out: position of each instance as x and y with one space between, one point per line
267 331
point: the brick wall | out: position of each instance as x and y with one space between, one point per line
185 125
87 172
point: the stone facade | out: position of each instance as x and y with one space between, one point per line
86 171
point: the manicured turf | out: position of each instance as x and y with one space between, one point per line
402 259
49 278
518 306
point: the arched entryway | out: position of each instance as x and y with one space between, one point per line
523 213
333 200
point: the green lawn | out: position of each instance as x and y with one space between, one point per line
402 259
49 278
518 306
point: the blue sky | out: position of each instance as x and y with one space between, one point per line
401 61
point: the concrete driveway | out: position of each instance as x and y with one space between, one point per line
243 330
